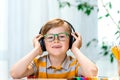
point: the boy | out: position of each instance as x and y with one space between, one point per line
56 37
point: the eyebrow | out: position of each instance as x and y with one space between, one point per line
56 34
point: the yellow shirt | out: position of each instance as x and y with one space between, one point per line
43 68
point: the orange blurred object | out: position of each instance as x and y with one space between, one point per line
116 52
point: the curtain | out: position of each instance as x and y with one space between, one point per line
3 40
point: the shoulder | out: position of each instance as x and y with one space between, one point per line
40 58
71 58
73 61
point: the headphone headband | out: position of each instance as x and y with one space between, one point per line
72 28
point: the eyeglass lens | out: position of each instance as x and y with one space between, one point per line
60 36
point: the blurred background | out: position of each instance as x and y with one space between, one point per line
21 20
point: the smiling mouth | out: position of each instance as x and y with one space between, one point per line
56 46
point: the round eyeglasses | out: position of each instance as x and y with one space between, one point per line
60 36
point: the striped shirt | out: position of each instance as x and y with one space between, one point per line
70 68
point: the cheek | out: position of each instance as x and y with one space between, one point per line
66 44
47 45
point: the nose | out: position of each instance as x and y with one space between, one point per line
56 40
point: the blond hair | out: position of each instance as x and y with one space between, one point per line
53 24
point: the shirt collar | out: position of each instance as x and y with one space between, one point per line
48 62
65 64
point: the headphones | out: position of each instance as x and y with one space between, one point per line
42 43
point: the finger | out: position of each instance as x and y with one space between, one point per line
75 35
38 37
79 38
78 35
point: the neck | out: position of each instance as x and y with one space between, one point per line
57 60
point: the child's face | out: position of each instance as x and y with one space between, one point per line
58 43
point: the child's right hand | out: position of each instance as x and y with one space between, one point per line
37 45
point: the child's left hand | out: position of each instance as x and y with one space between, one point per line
78 40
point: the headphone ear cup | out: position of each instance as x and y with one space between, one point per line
71 41
42 44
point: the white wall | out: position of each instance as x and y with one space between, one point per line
3 40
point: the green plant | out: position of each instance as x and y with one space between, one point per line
81 6
108 6
105 47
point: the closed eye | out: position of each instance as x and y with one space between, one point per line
50 37
62 36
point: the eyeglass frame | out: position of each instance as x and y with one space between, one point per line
57 35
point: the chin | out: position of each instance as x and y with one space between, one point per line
56 52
